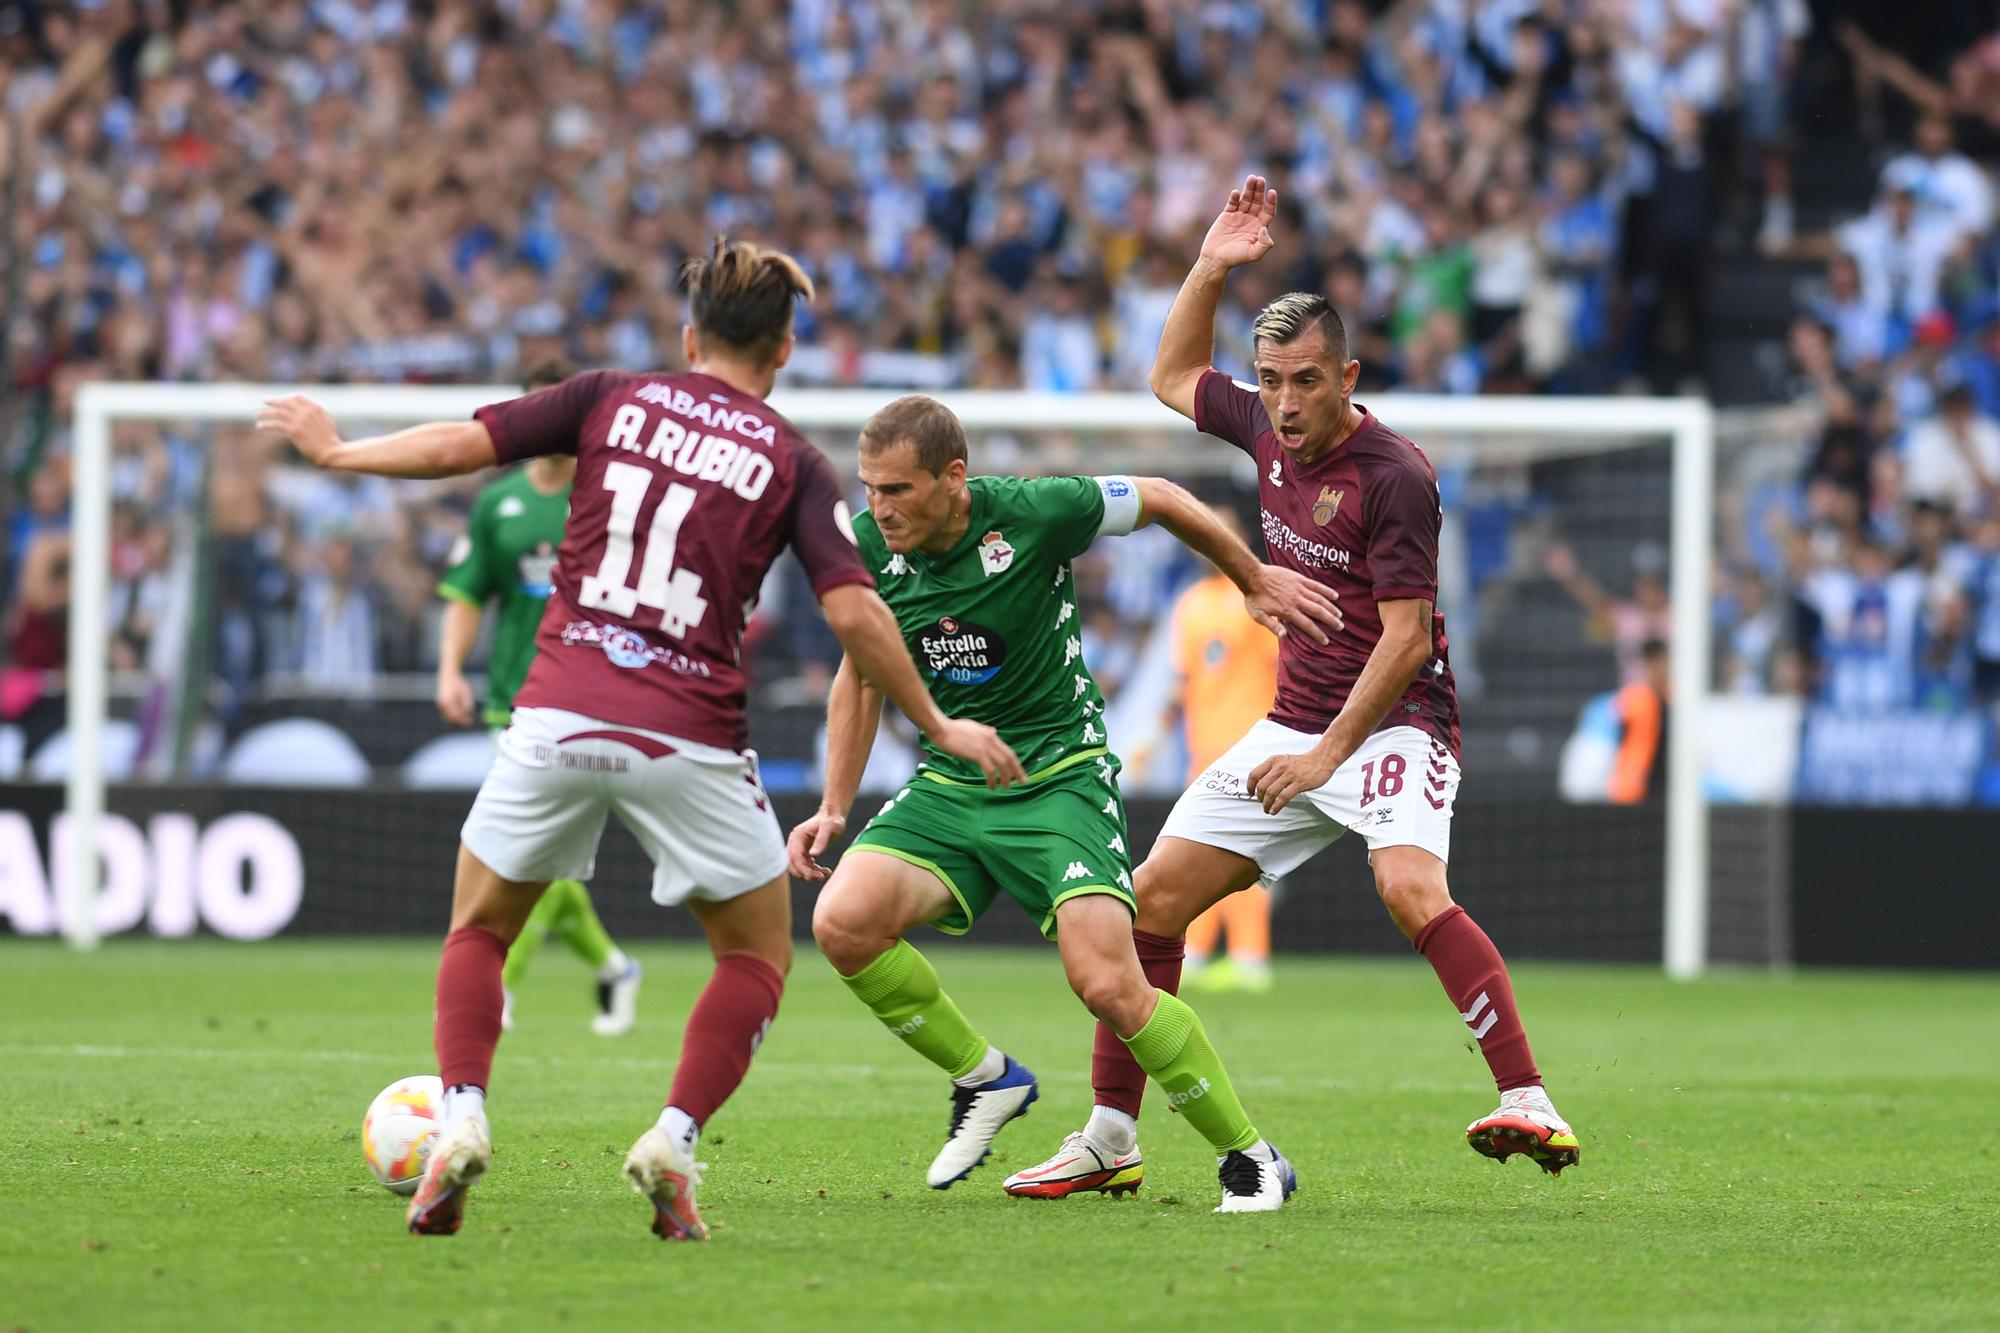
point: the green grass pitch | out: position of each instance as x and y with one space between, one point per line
178 1128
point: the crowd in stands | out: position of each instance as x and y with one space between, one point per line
1500 195
1870 578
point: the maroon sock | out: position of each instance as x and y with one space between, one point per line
1475 977
469 1000
723 1031
1116 1076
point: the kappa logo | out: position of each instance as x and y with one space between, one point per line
1077 870
995 554
1326 506
898 565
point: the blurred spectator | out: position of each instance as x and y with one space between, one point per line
1869 616
1953 459
337 630
1627 623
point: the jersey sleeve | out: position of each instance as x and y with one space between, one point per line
822 530
1229 411
548 421
468 575
1068 513
1403 522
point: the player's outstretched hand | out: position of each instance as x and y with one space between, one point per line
305 423
1283 600
980 744
454 699
809 842
1241 233
1283 776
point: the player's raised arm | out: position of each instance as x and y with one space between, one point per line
868 632
853 716
1277 599
434 449
1241 234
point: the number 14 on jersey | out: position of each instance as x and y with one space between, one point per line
674 593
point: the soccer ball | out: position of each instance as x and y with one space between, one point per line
399 1129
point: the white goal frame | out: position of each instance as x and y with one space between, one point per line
1688 423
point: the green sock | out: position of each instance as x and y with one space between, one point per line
1174 1049
533 931
901 989
576 923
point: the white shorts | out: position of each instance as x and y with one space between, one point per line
700 812
1395 791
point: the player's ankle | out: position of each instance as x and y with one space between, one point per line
464 1101
991 1066
1109 1127
679 1126
615 964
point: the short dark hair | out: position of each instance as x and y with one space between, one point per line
742 296
1296 314
932 429
547 371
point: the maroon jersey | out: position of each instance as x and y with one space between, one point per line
686 490
1364 521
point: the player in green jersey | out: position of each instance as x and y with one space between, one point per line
977 571
508 556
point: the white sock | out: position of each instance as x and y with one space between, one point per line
679 1126
614 966
1112 1129
463 1102
990 1067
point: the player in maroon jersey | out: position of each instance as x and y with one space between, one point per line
1364 733
687 488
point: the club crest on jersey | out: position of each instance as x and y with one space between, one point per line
1326 506
995 554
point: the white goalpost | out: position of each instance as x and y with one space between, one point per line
1687 425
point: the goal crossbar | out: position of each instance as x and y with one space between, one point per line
1689 424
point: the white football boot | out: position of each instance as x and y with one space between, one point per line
1526 1123
976 1117
461 1156
1257 1179
667 1173
1080 1166
617 1001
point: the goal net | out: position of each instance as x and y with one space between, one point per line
250 740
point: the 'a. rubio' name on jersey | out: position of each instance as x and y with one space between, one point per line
731 463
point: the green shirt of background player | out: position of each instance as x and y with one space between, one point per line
977 572
507 557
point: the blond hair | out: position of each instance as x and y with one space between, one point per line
1296 314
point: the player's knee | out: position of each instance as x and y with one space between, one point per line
1159 912
1412 898
848 939
1111 998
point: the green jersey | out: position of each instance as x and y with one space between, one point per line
993 623
508 554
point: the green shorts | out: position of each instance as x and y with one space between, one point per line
1041 843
